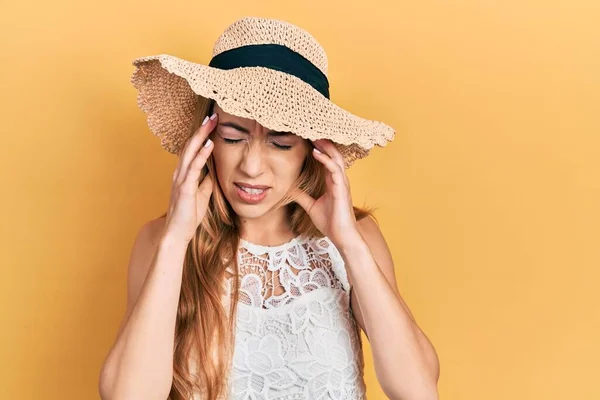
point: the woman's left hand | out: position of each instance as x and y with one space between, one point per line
333 212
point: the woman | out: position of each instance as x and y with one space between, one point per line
256 281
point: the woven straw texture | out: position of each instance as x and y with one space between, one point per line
168 87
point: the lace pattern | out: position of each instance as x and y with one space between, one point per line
272 276
296 337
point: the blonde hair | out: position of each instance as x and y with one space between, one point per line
203 330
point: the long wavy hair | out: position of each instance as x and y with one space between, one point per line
205 330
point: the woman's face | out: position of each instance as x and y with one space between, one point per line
255 166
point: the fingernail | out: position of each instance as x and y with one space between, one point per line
205 120
208 143
317 150
213 116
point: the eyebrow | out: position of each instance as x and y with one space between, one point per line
244 130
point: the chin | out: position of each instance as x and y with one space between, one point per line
250 211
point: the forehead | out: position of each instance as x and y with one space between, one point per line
223 114
245 125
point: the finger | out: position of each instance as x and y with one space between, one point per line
195 143
192 177
305 200
337 172
328 147
181 152
193 146
180 156
204 192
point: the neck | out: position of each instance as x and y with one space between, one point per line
270 229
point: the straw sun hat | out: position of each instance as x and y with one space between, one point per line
264 69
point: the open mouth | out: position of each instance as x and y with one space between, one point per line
251 195
251 190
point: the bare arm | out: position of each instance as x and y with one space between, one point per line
406 363
140 363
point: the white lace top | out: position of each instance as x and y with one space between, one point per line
296 337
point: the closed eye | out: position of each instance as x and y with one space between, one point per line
279 146
232 140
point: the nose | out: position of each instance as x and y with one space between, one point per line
253 159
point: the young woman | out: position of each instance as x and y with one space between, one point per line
257 281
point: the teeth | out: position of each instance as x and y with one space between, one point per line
252 191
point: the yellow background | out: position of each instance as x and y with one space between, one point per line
489 196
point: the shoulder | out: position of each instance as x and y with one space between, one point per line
369 226
141 254
147 237
145 244
371 233
154 227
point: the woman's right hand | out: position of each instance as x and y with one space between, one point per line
190 197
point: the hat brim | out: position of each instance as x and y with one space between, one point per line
167 88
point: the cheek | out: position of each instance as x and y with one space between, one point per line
289 166
223 162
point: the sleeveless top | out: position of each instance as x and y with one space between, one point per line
295 336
